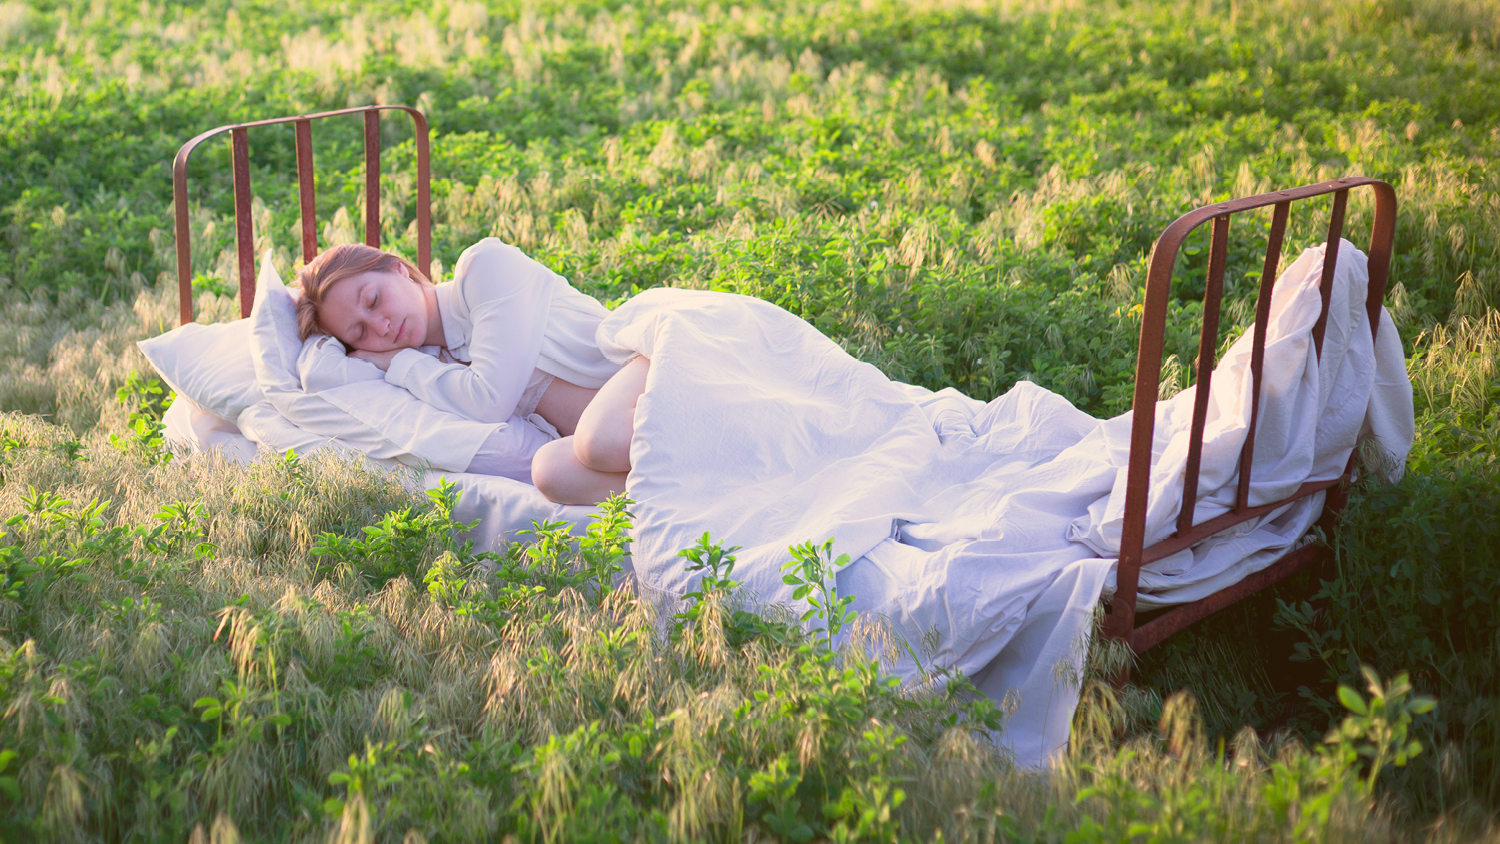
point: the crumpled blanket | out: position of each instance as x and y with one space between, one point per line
983 533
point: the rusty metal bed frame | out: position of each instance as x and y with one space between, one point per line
1120 618
1120 621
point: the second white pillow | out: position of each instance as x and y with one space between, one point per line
208 365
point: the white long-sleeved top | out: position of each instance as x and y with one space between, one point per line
508 316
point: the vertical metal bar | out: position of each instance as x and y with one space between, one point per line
1258 346
1330 260
424 197
1120 623
1208 344
244 232
372 178
307 190
184 238
1382 239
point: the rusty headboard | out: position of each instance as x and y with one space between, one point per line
1120 622
244 234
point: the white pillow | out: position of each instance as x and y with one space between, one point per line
274 339
208 365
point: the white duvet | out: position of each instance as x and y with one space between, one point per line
987 529
984 533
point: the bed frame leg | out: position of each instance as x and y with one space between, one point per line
1118 625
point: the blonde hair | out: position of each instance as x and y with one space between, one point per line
335 265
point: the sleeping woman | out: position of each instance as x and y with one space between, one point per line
506 337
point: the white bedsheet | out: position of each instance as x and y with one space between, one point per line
985 530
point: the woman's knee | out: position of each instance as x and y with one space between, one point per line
557 474
554 470
603 448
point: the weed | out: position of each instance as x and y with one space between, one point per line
810 574
148 401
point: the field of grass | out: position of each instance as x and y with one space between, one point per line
964 193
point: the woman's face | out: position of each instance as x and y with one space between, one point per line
376 311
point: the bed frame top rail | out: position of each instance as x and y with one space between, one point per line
306 187
1120 623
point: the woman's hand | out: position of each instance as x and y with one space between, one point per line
380 359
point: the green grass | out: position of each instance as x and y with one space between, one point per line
963 193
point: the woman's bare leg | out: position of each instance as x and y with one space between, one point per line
590 466
558 475
602 441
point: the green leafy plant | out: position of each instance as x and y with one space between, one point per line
402 542
714 564
606 543
773 799
1378 729
811 572
179 526
148 400
865 808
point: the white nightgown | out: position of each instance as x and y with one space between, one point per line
510 318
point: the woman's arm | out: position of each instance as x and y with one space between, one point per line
507 296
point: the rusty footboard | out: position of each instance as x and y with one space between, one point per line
1120 621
